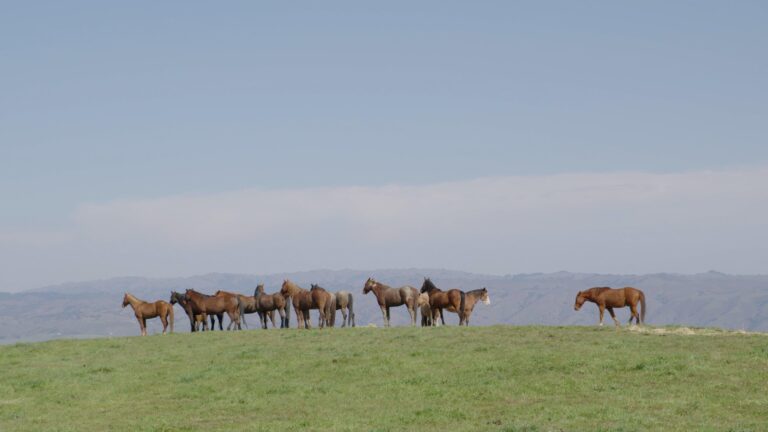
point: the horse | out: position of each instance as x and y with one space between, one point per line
609 298
329 317
344 302
216 305
472 297
453 300
268 303
388 297
303 300
248 303
425 308
196 320
145 311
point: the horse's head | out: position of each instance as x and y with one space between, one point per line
188 294
484 297
259 290
286 288
369 284
125 300
581 297
427 286
174 299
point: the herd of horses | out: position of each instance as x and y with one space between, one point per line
430 301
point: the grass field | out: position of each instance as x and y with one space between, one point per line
492 378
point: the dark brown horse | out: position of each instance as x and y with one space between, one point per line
145 311
215 305
609 298
266 304
388 297
197 321
453 299
304 300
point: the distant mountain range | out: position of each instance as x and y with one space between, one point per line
93 308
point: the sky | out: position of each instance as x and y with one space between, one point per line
179 138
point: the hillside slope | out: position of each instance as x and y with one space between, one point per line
496 378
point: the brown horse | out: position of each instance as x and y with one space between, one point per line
230 305
329 317
145 311
248 303
453 300
268 303
304 300
196 320
609 298
472 297
388 297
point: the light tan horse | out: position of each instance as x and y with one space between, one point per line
609 298
388 297
345 303
266 304
145 311
438 300
304 300
425 308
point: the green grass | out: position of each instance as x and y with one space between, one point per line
493 378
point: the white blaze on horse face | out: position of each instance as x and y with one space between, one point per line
487 300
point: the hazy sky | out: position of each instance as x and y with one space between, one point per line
176 138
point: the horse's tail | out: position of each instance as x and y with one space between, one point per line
241 310
462 306
642 307
170 315
351 310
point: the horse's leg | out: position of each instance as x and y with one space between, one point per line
634 314
442 317
613 315
412 313
164 321
384 315
272 317
343 317
143 326
221 321
602 312
282 317
307 320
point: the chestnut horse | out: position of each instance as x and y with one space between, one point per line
609 298
388 297
303 300
145 311
329 317
472 297
196 320
266 304
248 303
216 305
453 300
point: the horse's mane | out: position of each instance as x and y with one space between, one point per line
477 291
428 285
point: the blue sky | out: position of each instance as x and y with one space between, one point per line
103 102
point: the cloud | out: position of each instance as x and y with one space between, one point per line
610 222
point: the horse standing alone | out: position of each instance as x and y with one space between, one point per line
388 297
144 311
609 298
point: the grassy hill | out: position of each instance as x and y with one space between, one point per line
497 378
